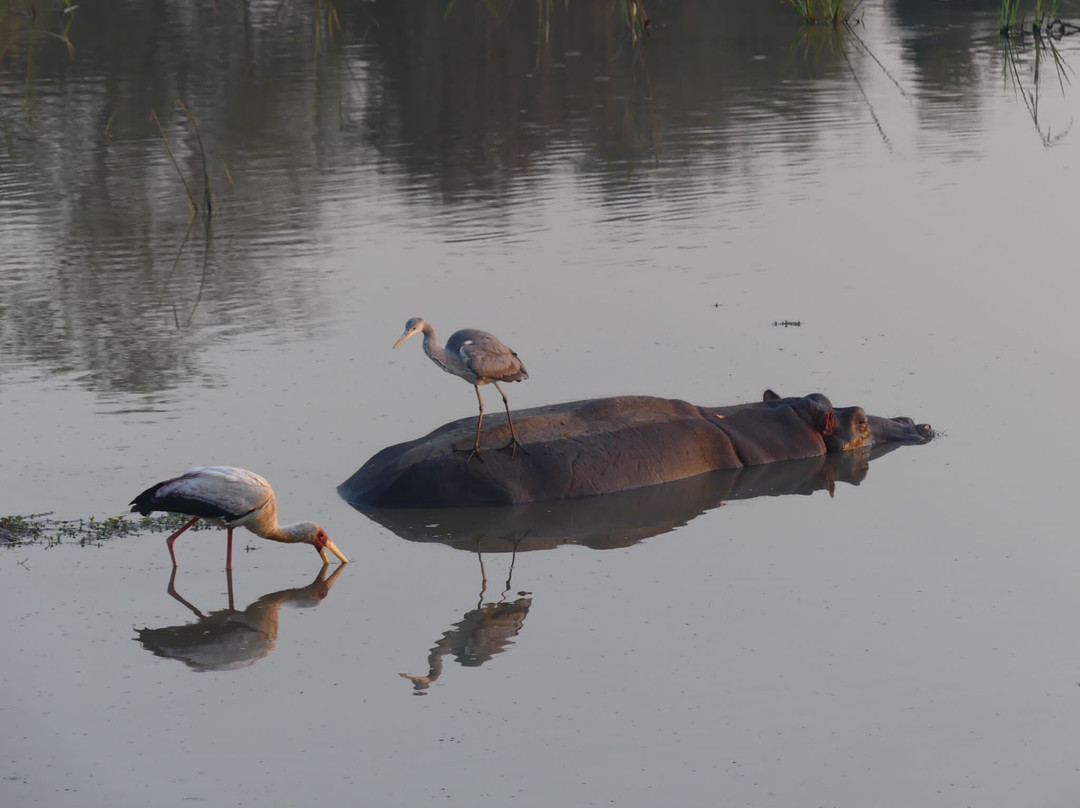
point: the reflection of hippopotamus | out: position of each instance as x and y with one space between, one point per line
624 518
613 444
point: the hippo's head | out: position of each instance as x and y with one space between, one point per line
855 429
846 428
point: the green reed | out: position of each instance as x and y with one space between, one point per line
1012 11
830 12
1044 15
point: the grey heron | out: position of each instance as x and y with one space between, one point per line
231 498
477 357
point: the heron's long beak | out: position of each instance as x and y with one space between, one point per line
333 549
408 333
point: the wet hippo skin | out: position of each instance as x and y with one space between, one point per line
600 446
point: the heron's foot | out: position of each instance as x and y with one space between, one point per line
473 451
513 446
419 682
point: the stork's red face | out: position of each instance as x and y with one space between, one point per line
323 543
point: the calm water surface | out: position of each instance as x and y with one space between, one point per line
632 217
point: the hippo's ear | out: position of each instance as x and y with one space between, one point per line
830 423
769 395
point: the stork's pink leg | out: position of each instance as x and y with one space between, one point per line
228 578
172 591
228 556
169 541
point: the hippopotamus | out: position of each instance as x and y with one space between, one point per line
607 445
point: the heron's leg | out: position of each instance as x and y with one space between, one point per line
169 541
483 573
514 442
228 554
479 423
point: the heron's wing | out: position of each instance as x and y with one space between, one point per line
488 358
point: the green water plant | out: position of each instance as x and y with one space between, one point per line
42 528
828 12
637 19
818 42
22 27
1011 13
1027 62
1045 19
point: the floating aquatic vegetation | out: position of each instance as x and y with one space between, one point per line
42 528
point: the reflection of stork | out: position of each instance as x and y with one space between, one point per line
229 639
484 632
229 497
479 358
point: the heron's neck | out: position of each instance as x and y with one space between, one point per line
432 348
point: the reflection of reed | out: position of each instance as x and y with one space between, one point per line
814 40
1013 50
208 239
482 633
207 193
228 639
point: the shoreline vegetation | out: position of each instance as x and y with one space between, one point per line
1044 15
1016 18
828 12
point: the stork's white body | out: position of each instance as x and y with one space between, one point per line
230 497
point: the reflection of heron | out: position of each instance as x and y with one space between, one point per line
229 639
232 498
479 358
482 633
